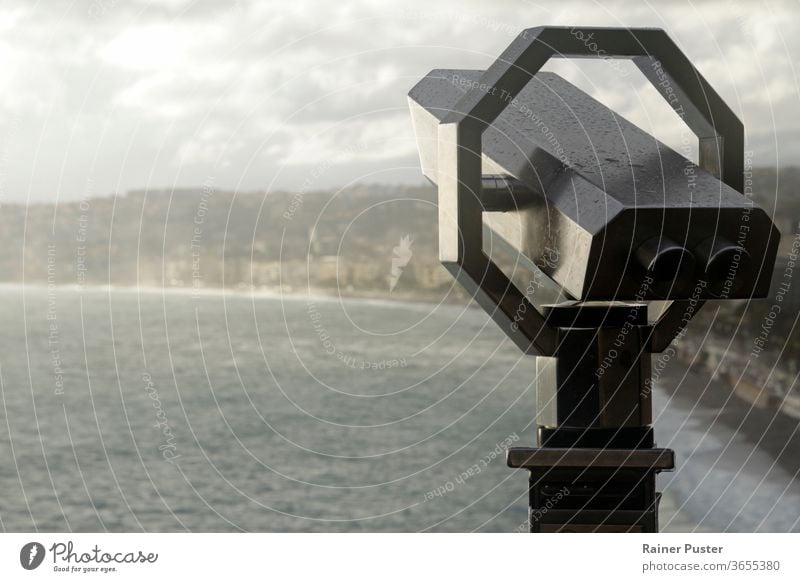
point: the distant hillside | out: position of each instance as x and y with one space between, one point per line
208 238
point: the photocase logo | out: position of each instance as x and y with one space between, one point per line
31 555
401 256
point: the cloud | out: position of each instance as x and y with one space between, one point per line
130 94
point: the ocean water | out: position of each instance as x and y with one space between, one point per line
136 410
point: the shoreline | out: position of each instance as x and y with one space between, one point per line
308 293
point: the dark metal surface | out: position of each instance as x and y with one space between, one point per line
594 314
526 458
606 188
611 218
637 437
503 193
595 380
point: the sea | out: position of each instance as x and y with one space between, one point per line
131 409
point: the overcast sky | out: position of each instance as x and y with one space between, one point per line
105 96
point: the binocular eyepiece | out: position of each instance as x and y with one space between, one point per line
720 266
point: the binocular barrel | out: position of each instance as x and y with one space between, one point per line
626 216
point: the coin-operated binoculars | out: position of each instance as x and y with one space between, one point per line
617 241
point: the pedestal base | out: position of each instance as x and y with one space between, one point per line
592 490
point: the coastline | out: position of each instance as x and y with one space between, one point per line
322 294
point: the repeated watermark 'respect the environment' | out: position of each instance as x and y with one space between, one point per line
465 84
53 330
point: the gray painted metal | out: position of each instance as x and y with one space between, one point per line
600 206
616 223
